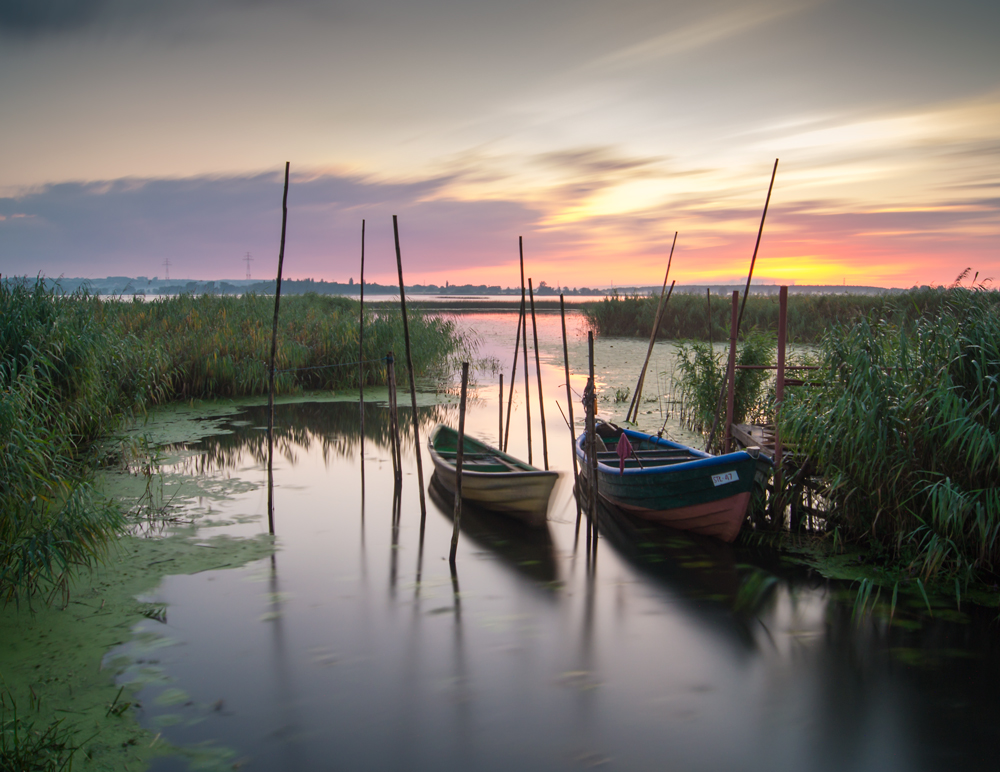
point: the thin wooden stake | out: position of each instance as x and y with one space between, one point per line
413 381
746 293
731 376
708 294
591 441
513 378
779 396
524 342
538 371
500 435
637 397
652 335
274 351
569 402
459 457
394 442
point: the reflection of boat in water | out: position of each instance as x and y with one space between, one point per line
490 478
701 568
528 550
673 484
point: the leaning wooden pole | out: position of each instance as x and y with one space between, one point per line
777 511
524 344
500 433
459 457
513 380
569 402
760 231
746 293
538 377
394 443
274 352
637 397
652 335
413 380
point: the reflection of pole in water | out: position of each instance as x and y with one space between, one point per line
397 504
572 425
284 687
463 696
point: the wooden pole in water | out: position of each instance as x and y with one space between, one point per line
513 378
394 444
459 457
708 294
413 380
500 435
591 441
779 395
760 231
274 351
569 402
538 376
361 358
731 375
652 335
746 293
637 397
524 343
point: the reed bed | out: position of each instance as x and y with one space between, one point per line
809 316
904 425
74 367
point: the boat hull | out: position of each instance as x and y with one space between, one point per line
707 495
522 493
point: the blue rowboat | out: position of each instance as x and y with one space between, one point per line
676 485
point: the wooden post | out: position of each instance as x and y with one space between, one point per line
524 343
731 375
637 397
413 381
500 435
538 377
591 441
361 358
394 443
652 335
708 294
513 378
274 351
779 395
459 457
569 402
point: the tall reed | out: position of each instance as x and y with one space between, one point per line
905 427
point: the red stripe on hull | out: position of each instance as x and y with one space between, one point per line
721 519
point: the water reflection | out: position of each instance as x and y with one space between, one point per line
528 551
357 647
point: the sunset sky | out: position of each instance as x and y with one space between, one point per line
138 132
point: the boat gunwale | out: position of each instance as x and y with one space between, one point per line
707 461
530 471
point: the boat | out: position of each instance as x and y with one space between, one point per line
673 484
491 478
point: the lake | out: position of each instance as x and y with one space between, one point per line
355 648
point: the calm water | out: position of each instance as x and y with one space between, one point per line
354 647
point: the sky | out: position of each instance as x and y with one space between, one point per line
138 132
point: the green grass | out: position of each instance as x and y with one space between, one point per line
74 368
905 428
809 316
26 747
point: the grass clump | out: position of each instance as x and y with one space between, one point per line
26 747
702 371
905 428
